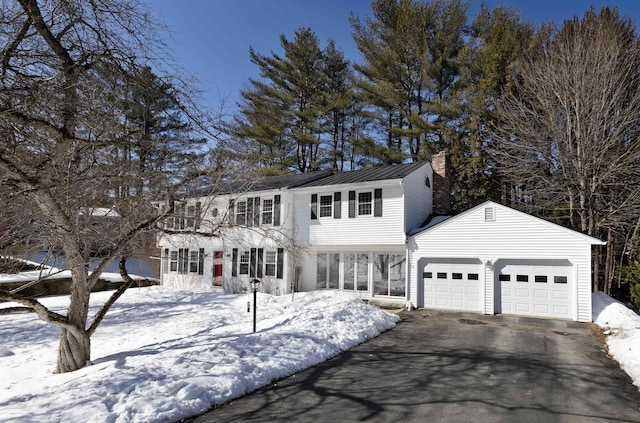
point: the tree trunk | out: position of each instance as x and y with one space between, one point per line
609 264
74 350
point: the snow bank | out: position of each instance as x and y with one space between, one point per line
161 355
622 327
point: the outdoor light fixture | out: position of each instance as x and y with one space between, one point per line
254 285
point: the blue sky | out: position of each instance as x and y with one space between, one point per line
211 38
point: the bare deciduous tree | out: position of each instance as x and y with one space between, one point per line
68 69
567 136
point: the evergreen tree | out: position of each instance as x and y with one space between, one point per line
281 112
499 39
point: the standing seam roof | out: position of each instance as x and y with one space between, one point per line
398 171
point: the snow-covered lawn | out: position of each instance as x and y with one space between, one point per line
162 354
622 327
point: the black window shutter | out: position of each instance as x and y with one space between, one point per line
280 267
377 202
234 262
352 204
337 205
232 212
249 217
252 266
201 261
198 214
259 269
256 211
276 210
314 206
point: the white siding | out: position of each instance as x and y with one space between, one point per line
418 199
267 237
512 235
361 230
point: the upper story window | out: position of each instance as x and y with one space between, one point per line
241 213
326 204
267 212
254 212
185 217
364 203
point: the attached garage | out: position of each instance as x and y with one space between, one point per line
494 259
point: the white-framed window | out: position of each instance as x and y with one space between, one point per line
183 260
173 264
364 203
328 270
326 205
267 212
244 263
193 261
389 274
356 271
270 263
241 213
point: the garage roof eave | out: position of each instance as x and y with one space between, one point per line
434 223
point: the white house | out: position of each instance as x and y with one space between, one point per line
364 231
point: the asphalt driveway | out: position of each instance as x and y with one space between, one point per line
454 367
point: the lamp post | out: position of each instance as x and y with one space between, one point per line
254 285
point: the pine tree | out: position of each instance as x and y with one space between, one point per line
281 111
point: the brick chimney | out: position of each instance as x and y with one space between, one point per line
441 184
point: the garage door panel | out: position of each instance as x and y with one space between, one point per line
541 308
561 295
539 293
539 288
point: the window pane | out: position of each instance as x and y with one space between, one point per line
322 271
472 276
349 271
241 212
267 212
174 261
270 263
364 203
244 263
522 278
381 274
541 279
504 278
559 279
334 271
396 275
363 272
193 261
442 275
326 204
456 276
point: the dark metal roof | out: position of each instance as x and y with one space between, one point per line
243 185
380 173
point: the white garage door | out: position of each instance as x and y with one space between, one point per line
452 285
536 288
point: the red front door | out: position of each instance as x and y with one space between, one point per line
217 268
